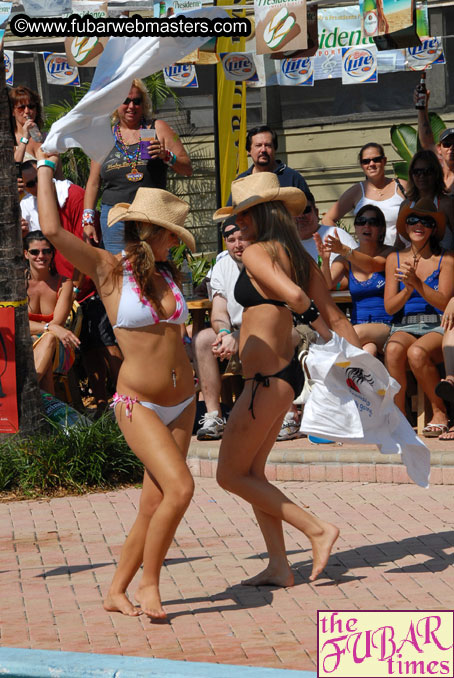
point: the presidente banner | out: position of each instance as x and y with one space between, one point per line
281 25
231 96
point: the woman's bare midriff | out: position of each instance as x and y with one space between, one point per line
155 368
265 339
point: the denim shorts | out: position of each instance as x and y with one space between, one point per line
417 329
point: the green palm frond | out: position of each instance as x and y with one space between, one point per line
404 139
159 91
437 125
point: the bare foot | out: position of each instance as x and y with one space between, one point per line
150 602
119 602
321 548
272 577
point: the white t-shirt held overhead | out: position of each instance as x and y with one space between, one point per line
345 238
224 275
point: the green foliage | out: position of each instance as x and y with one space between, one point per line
405 141
199 265
159 91
75 460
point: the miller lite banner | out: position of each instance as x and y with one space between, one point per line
8 58
181 75
239 66
428 53
295 72
280 25
58 71
359 65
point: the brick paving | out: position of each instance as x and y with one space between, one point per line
57 557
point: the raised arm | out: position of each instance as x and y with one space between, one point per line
332 274
171 142
425 133
345 204
363 261
90 260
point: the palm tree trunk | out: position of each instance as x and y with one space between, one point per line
12 281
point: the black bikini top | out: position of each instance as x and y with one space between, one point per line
246 294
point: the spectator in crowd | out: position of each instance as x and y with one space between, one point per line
98 343
308 225
278 278
261 146
376 189
50 297
220 341
364 268
444 149
425 180
445 388
419 284
154 405
124 171
27 118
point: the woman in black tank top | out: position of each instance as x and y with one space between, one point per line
278 278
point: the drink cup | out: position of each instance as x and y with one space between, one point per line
146 135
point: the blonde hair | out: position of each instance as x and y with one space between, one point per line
147 106
140 255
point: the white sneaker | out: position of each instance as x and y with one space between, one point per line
290 428
212 426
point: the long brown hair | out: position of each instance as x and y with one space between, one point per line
432 161
274 223
18 95
141 258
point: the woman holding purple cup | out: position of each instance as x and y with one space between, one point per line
144 150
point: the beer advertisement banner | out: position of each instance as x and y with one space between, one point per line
181 75
231 98
9 421
430 52
338 28
359 65
166 8
85 50
260 79
312 37
46 7
5 11
280 26
422 19
58 71
8 58
327 65
297 72
239 66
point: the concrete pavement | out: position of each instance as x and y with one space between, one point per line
57 557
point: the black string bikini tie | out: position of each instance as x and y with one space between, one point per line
257 380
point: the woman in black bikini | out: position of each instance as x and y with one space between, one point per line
277 272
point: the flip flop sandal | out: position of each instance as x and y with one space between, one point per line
444 436
445 390
434 430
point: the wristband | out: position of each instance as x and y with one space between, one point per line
24 140
224 329
46 163
88 217
170 158
76 290
349 253
46 327
310 314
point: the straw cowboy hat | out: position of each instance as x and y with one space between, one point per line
261 187
158 207
423 208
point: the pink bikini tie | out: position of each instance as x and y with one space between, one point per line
129 402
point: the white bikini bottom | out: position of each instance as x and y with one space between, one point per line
166 413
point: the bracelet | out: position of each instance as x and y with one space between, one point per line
46 163
310 314
88 217
170 158
76 290
46 327
24 140
349 253
224 329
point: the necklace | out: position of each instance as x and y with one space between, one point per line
134 174
417 256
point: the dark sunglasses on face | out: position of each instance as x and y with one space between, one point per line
422 171
45 250
362 221
307 209
31 183
366 161
449 143
427 222
22 107
136 101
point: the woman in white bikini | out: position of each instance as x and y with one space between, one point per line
376 189
154 404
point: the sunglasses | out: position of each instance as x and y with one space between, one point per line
36 253
367 161
22 107
422 171
362 221
448 143
427 222
31 183
308 209
136 101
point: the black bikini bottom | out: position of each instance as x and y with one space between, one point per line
292 373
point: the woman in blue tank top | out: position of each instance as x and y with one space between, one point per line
364 267
419 284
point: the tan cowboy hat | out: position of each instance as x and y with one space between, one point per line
261 187
424 208
158 207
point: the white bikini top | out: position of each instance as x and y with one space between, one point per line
136 311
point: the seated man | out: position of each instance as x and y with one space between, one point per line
220 341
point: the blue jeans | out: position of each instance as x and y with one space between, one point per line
114 236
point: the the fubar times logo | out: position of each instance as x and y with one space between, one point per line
384 643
